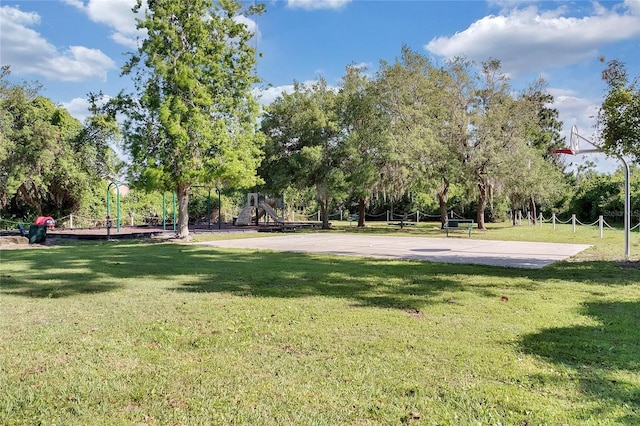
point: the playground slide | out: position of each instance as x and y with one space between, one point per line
244 218
246 214
272 213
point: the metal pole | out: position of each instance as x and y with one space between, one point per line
601 225
164 212
627 190
109 200
174 212
209 209
627 208
219 209
118 208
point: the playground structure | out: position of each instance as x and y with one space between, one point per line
262 211
260 206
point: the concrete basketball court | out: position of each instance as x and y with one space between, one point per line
515 254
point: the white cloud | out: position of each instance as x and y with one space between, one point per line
527 40
270 94
362 65
266 96
77 64
317 4
251 25
576 110
27 52
116 14
77 107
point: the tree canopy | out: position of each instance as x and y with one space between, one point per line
415 128
192 118
619 115
303 147
47 164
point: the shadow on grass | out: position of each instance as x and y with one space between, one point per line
103 267
598 353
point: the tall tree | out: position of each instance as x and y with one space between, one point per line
409 95
42 167
544 136
619 115
192 119
365 148
303 144
453 124
499 131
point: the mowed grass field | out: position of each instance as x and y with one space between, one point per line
114 333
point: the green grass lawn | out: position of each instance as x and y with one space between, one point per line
161 333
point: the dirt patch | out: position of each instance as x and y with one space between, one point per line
13 239
414 313
13 242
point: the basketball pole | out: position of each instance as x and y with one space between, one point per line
574 150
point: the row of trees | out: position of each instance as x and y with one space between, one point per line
415 128
412 130
49 161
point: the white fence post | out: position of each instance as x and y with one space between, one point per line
573 222
71 221
553 220
318 215
529 218
418 216
601 225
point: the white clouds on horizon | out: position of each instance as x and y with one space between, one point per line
266 96
529 40
21 44
116 14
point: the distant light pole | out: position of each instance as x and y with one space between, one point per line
219 209
575 149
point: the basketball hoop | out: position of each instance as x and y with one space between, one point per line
574 144
575 140
563 151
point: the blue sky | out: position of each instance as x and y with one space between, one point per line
74 47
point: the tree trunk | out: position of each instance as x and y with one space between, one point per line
183 211
324 200
324 213
443 198
361 212
30 199
532 209
482 203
